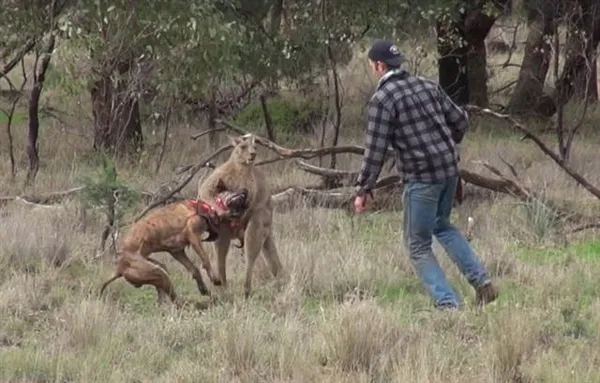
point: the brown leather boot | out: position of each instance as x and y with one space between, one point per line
485 294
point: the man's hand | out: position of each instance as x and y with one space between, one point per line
360 202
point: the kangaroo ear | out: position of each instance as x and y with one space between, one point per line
234 140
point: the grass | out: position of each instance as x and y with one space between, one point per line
18 118
352 310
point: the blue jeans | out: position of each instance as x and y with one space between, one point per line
427 208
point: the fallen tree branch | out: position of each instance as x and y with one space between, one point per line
344 178
493 184
515 186
44 199
591 225
549 152
331 177
35 204
281 189
307 153
505 185
313 198
502 184
287 198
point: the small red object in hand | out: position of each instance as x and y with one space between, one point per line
360 203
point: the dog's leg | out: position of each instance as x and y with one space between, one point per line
194 240
182 258
142 272
158 263
197 226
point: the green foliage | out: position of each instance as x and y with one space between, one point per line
289 116
24 19
64 77
101 187
18 118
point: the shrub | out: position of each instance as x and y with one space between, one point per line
290 117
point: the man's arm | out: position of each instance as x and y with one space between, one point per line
378 133
457 119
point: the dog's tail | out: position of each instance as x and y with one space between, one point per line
112 279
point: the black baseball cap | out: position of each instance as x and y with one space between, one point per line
387 52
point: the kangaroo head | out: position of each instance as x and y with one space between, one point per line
244 149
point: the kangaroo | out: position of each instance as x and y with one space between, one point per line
256 221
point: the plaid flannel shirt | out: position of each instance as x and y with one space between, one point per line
422 124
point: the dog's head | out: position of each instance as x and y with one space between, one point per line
210 216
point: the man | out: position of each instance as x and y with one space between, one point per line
416 117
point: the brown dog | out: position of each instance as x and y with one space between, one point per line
173 228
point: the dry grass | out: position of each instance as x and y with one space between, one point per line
353 310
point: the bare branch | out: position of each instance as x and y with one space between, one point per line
44 199
338 106
165 137
513 46
587 226
549 152
191 173
332 176
267 116
205 132
28 47
306 154
10 115
509 166
504 87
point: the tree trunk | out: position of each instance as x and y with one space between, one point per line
477 27
461 45
117 125
276 15
528 94
585 86
593 87
581 50
477 75
34 105
452 65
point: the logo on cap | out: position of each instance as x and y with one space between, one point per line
394 50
